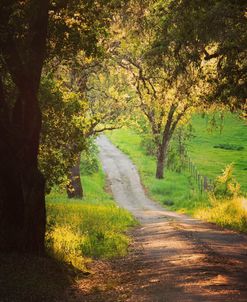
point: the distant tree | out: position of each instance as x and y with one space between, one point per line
164 104
164 96
108 104
61 138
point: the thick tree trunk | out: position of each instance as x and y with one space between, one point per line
22 197
22 205
75 190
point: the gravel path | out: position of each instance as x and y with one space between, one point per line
174 257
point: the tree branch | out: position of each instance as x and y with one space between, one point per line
179 116
106 128
208 56
38 31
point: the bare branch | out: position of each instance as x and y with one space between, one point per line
107 128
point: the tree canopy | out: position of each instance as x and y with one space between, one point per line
206 33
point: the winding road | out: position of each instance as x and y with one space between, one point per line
174 257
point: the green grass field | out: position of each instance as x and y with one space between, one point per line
209 160
180 189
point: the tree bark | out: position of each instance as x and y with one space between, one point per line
163 146
75 190
22 194
22 201
161 158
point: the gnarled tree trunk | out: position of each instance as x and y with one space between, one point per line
22 197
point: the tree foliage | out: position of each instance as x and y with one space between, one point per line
61 138
210 34
80 99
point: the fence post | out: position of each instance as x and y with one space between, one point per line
201 184
198 179
195 174
205 183
211 184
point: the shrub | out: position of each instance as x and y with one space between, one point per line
148 145
225 185
226 213
89 159
229 147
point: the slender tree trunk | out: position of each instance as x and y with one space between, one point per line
161 158
163 146
75 190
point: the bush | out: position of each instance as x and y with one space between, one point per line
225 203
225 185
229 147
89 159
148 145
226 213
176 160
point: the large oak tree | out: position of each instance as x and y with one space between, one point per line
31 32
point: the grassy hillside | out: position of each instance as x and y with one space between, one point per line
211 160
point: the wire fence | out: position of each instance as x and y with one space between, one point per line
203 182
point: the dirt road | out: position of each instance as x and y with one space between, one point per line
174 257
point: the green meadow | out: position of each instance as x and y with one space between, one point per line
213 147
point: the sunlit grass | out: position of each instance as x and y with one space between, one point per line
226 213
79 230
209 160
